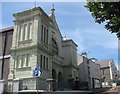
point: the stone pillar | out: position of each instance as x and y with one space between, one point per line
16 85
50 84
2 83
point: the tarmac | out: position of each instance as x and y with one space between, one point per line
105 90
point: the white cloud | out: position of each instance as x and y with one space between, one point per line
76 36
78 39
73 10
109 44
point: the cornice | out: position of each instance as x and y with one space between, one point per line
23 48
71 65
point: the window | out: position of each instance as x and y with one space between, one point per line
47 36
29 31
20 37
24 32
54 46
88 70
103 72
44 62
87 61
42 33
19 30
27 60
41 61
23 60
18 61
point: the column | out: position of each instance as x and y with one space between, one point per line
16 85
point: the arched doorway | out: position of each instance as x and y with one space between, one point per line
60 79
54 79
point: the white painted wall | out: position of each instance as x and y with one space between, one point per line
82 63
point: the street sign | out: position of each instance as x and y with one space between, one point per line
37 68
37 72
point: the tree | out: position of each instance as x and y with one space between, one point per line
108 13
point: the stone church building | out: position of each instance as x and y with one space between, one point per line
37 41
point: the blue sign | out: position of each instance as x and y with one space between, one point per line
37 68
37 72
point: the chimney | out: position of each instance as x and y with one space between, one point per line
93 59
84 54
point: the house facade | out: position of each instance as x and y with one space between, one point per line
6 42
89 72
5 46
37 41
108 72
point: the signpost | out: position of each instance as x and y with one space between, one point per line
37 73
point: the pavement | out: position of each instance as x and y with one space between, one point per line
56 92
105 90
108 91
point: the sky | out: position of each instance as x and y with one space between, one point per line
75 22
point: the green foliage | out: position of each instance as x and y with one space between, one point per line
108 12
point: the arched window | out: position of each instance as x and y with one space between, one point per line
54 46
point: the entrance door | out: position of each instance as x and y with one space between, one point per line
93 83
54 79
60 80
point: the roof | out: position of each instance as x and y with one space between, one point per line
7 29
70 41
104 63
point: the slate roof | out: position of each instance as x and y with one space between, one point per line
104 63
7 29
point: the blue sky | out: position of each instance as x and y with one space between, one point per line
74 21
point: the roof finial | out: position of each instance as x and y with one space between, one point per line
52 10
64 38
52 6
35 3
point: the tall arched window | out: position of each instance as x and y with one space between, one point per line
54 46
